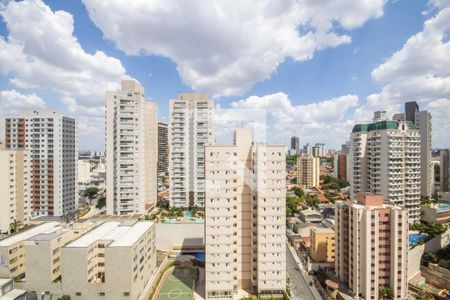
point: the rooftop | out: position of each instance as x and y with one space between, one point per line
121 234
43 228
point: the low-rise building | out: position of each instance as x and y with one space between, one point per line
439 213
8 292
322 243
310 216
113 261
12 250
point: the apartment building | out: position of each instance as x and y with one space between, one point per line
15 185
340 165
308 168
318 150
190 129
113 261
12 250
131 150
385 159
163 148
43 256
245 218
445 171
372 246
84 170
423 122
51 141
322 245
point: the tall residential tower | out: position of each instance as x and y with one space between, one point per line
131 150
51 143
422 120
245 242
190 129
385 159
372 246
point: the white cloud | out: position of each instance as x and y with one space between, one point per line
12 102
325 121
419 71
224 47
42 52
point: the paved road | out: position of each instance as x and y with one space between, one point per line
300 280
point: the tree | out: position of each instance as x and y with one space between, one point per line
298 192
293 180
101 202
15 226
312 200
385 293
64 297
90 192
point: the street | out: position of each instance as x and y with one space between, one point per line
300 280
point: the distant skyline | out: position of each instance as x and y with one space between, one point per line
316 69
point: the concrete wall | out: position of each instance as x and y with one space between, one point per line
436 275
415 255
170 236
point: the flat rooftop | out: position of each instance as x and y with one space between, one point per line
43 228
121 234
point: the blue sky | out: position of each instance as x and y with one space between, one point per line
348 43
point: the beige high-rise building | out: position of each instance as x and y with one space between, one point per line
51 143
245 218
14 185
308 168
131 150
372 246
190 129
385 158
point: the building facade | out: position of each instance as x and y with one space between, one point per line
51 142
445 171
318 150
12 250
163 149
422 120
322 245
308 168
14 184
113 261
131 150
385 159
190 129
245 218
295 145
372 246
340 165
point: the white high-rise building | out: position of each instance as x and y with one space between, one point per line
385 159
51 142
131 150
245 218
190 129
422 120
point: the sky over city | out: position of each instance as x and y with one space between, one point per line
315 67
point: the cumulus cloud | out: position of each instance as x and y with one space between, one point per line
224 47
41 51
325 121
419 71
12 102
